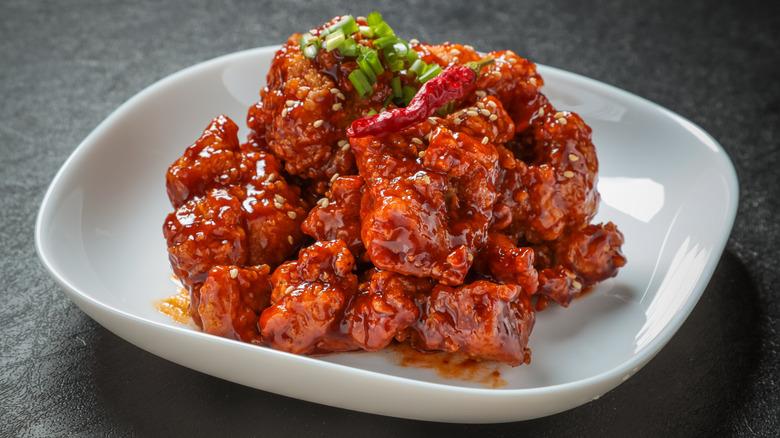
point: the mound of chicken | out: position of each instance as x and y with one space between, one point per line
449 234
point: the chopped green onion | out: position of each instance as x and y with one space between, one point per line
347 25
349 47
309 45
374 19
373 60
386 42
371 112
383 29
395 84
311 51
418 67
393 61
360 82
411 55
401 47
334 40
408 94
431 72
365 66
366 31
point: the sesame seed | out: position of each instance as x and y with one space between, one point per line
325 202
342 143
568 174
414 41
290 103
470 257
454 52
468 47
573 157
279 199
340 95
472 113
421 154
485 140
345 147
480 105
289 288
335 90
432 121
292 214
492 103
318 123
562 121
541 112
290 239
485 112
234 273
558 115
278 205
493 118
271 177
336 106
284 111
512 60
576 284
457 121
428 136
532 81
333 178
426 179
417 141
480 93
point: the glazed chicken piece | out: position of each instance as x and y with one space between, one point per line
306 108
337 215
309 299
428 199
578 260
384 309
481 320
511 79
548 183
204 232
505 263
234 208
231 300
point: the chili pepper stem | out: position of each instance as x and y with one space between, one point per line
477 65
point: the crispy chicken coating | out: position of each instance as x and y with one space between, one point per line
309 298
231 300
481 320
337 216
386 307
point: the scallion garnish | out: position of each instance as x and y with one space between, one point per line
334 39
349 47
366 68
431 72
347 25
361 83
373 60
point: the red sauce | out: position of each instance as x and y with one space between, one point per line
450 366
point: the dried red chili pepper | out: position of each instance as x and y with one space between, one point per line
452 83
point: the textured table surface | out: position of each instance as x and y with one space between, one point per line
67 65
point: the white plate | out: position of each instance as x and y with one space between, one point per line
667 184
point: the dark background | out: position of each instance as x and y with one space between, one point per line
66 65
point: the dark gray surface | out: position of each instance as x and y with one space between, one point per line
65 66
